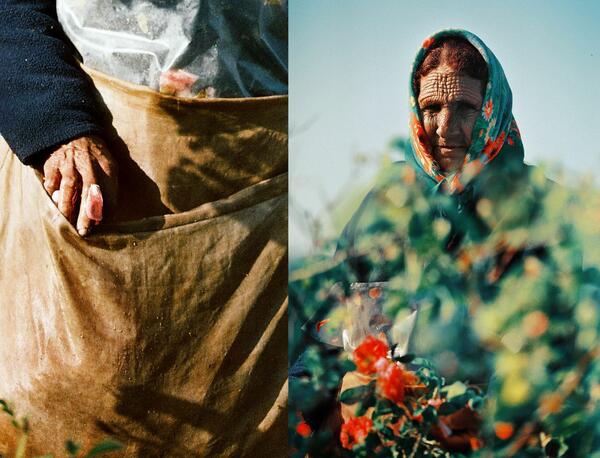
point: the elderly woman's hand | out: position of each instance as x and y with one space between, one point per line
70 173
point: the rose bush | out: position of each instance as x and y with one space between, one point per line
506 341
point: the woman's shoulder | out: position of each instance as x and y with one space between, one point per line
380 217
398 173
391 180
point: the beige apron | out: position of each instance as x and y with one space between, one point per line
166 330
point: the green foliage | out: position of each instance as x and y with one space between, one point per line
72 448
507 285
103 447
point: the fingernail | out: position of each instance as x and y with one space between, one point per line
95 190
82 232
94 203
56 197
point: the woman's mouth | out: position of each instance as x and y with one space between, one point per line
450 157
451 150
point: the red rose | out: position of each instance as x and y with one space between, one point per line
367 354
390 380
303 429
504 430
355 431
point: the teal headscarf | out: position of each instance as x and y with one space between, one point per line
495 135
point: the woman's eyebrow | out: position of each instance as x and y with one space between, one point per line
469 102
429 99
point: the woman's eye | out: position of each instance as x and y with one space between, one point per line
434 108
468 107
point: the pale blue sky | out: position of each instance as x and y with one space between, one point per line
349 68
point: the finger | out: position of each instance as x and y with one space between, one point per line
68 191
107 170
51 179
94 203
84 223
90 210
85 169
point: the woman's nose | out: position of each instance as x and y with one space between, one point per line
447 123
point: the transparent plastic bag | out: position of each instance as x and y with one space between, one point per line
187 48
361 314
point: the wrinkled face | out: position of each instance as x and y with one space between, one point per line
449 102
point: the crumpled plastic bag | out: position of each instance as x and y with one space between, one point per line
226 49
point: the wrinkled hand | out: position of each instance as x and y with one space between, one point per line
81 176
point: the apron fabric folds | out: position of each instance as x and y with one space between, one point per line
167 327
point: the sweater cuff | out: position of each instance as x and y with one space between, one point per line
36 151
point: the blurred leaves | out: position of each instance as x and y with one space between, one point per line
103 447
72 448
507 283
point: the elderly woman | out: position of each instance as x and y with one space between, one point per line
464 141
466 157
464 150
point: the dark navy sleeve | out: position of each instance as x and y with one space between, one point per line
45 98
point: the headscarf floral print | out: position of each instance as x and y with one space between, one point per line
495 131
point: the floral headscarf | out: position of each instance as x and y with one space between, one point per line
495 132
